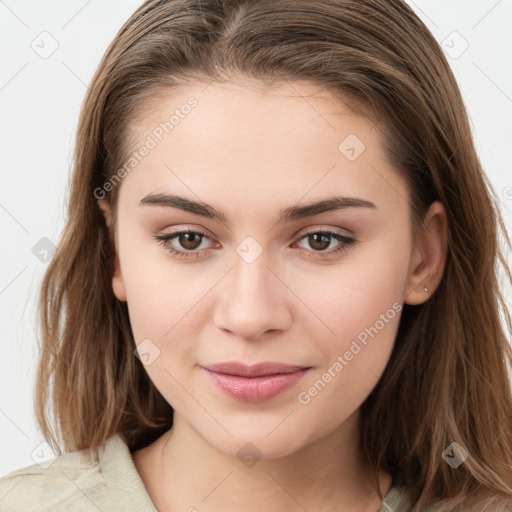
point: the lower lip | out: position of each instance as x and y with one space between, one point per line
255 389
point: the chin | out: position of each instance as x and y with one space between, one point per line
259 440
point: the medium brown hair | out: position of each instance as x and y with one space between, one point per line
447 379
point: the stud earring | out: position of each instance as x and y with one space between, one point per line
426 289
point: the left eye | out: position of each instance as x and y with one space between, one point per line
190 242
321 240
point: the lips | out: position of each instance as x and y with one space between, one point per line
254 383
255 370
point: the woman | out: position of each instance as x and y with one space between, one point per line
276 288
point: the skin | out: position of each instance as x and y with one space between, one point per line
251 155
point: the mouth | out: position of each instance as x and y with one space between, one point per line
254 383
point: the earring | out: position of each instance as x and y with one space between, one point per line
426 289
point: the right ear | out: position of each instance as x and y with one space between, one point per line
117 277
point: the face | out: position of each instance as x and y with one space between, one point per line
244 269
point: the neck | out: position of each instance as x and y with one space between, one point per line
183 472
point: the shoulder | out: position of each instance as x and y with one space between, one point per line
81 480
396 500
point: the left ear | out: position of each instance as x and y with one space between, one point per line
429 256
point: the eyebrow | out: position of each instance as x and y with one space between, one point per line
289 214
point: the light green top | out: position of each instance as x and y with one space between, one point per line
77 481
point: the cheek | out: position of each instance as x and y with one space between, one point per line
354 357
165 309
356 352
365 289
159 294
359 304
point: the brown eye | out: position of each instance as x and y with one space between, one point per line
190 240
185 243
319 241
325 243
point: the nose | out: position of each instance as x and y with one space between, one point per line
252 301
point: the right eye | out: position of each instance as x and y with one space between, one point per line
183 244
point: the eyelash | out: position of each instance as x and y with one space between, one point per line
166 239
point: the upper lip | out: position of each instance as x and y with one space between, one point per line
254 370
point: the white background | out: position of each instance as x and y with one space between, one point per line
39 105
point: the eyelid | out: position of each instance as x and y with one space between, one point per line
308 230
326 229
184 228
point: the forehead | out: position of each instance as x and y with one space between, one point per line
244 142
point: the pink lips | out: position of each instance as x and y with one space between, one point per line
254 383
